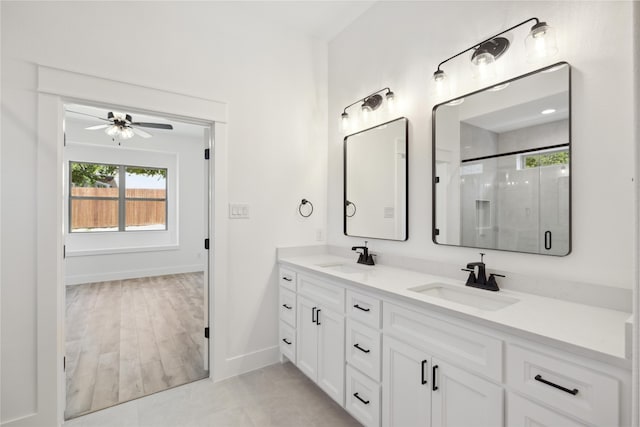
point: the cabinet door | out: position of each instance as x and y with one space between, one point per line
461 399
406 400
307 338
331 353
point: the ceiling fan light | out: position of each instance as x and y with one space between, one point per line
112 130
126 133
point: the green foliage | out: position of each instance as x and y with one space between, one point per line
90 174
150 172
557 158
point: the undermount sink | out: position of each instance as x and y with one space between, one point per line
344 268
467 296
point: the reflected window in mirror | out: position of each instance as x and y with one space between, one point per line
501 164
375 182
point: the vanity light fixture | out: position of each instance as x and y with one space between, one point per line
539 43
369 104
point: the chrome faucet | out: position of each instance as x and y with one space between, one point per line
365 257
480 280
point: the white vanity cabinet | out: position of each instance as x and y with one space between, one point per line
320 334
394 362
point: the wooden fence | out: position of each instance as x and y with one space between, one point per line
91 213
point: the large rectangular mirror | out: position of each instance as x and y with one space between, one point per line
501 166
375 182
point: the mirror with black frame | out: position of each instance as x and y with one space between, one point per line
501 166
375 182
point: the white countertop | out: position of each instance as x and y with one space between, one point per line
594 331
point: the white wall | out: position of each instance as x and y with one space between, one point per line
399 44
94 257
274 82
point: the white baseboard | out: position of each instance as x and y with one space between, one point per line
131 274
248 362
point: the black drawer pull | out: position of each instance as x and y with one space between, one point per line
559 387
547 240
434 387
286 341
361 308
288 307
360 348
313 314
366 402
288 279
423 365
318 317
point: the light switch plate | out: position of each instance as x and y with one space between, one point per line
238 210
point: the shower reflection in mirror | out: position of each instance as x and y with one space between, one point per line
502 166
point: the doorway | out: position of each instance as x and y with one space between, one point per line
136 227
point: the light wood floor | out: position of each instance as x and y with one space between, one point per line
130 338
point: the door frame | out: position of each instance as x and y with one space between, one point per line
57 87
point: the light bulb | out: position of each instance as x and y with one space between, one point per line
442 84
541 42
365 113
391 102
485 65
345 121
126 133
111 130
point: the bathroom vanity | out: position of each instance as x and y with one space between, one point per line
397 347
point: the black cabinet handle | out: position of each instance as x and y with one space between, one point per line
361 308
313 314
366 402
286 341
288 279
559 387
547 240
318 317
360 348
423 365
434 387
288 307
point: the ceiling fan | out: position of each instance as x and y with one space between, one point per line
123 126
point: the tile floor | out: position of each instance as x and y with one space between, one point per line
277 395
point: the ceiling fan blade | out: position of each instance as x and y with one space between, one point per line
96 127
141 133
90 115
153 125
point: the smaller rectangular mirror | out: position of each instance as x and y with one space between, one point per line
375 182
501 166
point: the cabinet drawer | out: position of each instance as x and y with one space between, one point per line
473 351
523 412
288 342
324 293
574 389
363 398
288 306
363 348
287 278
364 308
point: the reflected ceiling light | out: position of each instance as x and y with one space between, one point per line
548 111
498 87
455 102
540 43
369 104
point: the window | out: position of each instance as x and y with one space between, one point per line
548 158
106 197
